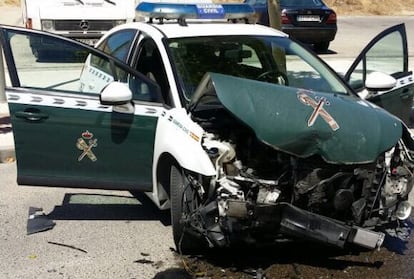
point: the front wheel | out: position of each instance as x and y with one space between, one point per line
184 201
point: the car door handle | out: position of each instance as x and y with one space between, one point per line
31 115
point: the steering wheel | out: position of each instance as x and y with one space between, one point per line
272 76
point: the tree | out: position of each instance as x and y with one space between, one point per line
275 21
273 9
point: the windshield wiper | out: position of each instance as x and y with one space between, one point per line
80 1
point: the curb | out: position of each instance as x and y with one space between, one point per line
7 153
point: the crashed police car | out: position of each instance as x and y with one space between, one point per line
244 133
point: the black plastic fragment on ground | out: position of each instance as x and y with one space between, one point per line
38 221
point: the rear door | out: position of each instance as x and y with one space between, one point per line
63 135
386 53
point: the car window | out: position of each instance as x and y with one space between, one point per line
386 56
56 65
118 44
45 63
270 59
194 57
150 64
95 78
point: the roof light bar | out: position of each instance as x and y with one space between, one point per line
194 11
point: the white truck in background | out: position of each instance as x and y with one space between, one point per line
84 20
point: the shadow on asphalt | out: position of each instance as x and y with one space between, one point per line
292 259
173 273
281 260
397 240
300 259
80 206
329 52
303 253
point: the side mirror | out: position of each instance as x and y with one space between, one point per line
116 93
119 95
377 81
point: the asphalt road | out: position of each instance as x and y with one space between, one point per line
98 234
354 33
110 234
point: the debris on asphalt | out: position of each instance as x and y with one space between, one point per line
144 261
38 221
173 273
68 246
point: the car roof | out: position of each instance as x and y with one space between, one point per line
197 29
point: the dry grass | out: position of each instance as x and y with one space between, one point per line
372 7
9 2
342 7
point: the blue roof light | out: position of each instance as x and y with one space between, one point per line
194 11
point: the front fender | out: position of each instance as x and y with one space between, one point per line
180 137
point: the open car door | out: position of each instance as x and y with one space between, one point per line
387 53
80 118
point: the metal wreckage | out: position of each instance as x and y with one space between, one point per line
335 177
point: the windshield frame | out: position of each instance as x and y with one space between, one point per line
305 55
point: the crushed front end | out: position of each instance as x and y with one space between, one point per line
263 192
307 199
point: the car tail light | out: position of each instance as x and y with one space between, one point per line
29 24
332 18
285 18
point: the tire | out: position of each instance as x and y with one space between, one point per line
322 47
185 242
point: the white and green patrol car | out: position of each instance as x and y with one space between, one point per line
244 133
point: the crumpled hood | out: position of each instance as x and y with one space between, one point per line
341 129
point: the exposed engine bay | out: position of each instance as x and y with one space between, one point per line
260 193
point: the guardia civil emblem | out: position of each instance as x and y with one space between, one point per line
85 144
318 109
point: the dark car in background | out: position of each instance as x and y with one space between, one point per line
308 21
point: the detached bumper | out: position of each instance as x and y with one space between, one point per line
300 223
294 222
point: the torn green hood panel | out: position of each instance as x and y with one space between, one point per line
342 129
